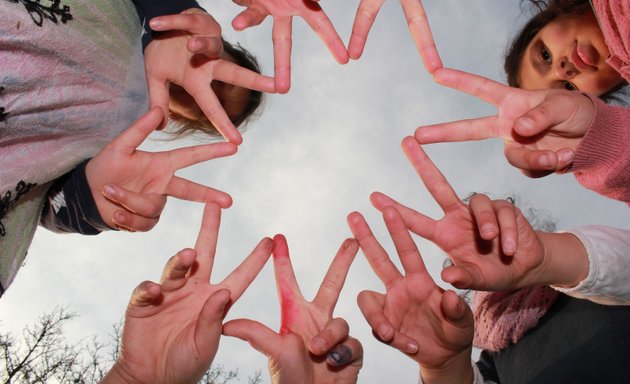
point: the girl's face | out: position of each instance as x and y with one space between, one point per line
569 53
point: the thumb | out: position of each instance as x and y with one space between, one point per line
209 323
456 310
556 109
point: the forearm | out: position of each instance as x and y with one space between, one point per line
565 262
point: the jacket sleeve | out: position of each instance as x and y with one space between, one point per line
148 9
69 206
608 252
602 160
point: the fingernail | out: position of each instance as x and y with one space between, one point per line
318 345
109 190
567 156
119 218
384 331
509 247
195 45
488 230
339 356
155 23
525 123
412 348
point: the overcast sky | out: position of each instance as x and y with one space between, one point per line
313 156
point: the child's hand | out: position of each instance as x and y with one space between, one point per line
122 176
418 24
172 329
282 12
540 129
482 259
311 346
187 53
415 316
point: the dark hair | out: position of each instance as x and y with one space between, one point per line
245 59
546 12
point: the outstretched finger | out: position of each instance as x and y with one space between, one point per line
405 247
212 108
238 281
133 136
421 32
159 97
363 21
190 191
417 222
282 43
484 215
206 244
433 179
232 73
185 157
481 128
483 88
331 286
321 24
286 284
372 249
176 270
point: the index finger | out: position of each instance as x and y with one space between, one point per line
363 21
421 32
487 90
373 251
282 42
321 24
212 108
288 289
206 244
464 130
405 247
433 179
331 286
238 281
196 23
232 73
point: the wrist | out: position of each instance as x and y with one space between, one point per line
565 261
458 370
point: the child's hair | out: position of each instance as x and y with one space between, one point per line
183 125
547 11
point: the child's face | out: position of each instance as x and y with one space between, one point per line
569 53
233 98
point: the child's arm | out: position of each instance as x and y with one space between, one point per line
418 25
125 188
172 329
415 316
282 12
311 346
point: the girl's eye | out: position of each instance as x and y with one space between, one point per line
568 86
545 56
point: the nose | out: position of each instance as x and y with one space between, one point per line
565 69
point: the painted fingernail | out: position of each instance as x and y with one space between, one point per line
318 345
384 332
109 191
339 356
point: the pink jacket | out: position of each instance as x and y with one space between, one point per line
602 160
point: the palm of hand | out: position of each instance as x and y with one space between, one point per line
413 306
488 267
173 337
